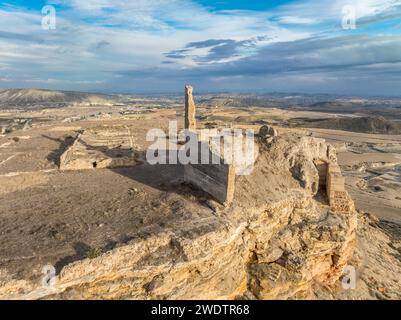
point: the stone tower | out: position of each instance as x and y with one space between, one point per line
190 109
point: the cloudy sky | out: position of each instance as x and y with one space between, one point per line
157 46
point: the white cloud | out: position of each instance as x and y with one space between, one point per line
331 10
297 20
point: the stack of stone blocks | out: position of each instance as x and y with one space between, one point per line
338 197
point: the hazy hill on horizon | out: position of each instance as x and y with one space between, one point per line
33 97
371 124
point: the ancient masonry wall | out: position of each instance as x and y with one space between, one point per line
103 147
338 197
65 158
218 180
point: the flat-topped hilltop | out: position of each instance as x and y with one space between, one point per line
31 97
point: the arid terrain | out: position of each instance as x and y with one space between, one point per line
140 231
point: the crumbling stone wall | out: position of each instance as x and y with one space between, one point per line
338 197
218 180
103 147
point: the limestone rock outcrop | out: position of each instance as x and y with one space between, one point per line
304 157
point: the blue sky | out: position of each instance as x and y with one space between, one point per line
147 46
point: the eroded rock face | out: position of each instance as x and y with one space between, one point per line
302 154
274 242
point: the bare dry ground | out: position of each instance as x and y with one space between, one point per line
371 164
48 216
57 217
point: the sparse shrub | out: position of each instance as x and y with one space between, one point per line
93 253
16 139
